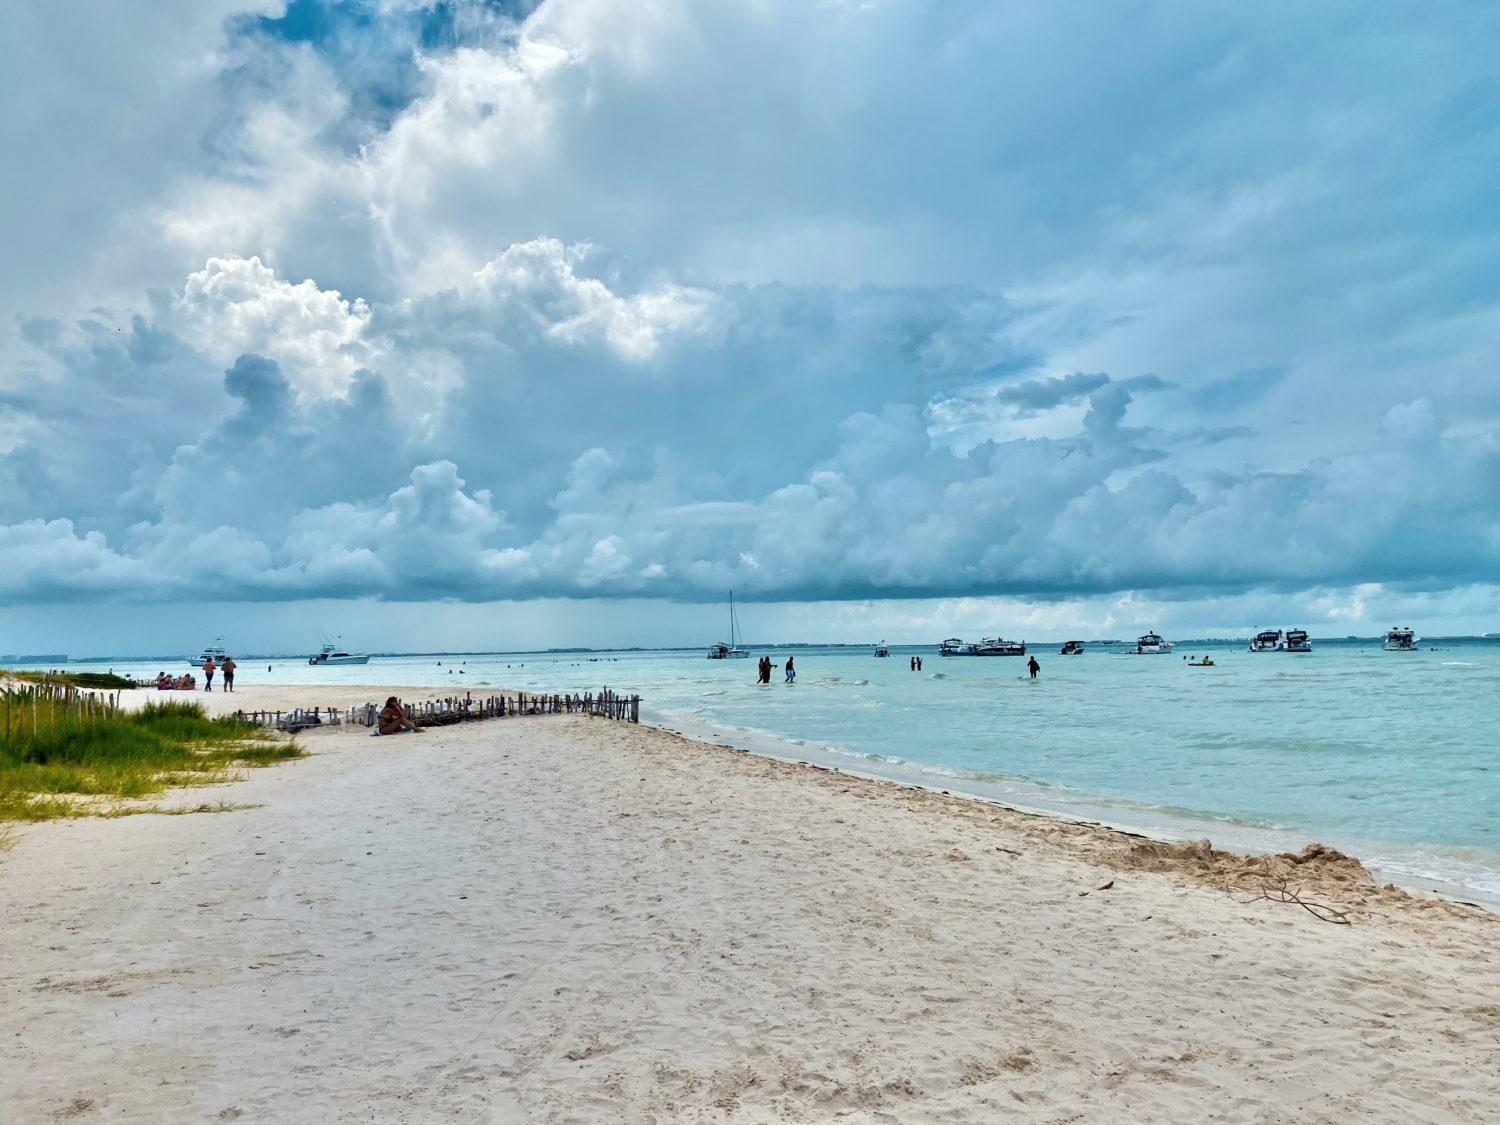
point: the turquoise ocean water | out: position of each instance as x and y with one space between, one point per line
1394 757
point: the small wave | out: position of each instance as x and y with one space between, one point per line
938 676
1459 664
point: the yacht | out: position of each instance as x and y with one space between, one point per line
1297 641
986 646
214 652
1400 640
1151 644
1072 648
881 650
332 654
1268 640
731 650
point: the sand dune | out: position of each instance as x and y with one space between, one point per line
563 919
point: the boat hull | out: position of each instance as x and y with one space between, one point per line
315 662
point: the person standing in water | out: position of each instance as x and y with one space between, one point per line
208 674
791 673
1033 667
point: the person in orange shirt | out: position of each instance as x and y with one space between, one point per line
208 674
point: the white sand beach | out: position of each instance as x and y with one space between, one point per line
566 919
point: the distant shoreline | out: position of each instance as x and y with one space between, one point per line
913 646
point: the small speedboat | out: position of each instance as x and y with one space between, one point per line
953 646
1072 648
1151 644
1297 641
1400 640
881 650
1268 640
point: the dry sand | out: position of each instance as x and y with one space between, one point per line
564 919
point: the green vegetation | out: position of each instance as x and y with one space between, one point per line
72 756
100 681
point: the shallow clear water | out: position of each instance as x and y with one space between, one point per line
1393 756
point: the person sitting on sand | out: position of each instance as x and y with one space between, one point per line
393 720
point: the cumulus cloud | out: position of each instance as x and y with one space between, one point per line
832 301
237 305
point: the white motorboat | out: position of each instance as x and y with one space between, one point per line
332 654
731 650
1400 640
1268 640
1072 648
1297 641
214 652
986 646
1151 644
881 650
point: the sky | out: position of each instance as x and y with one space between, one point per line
479 324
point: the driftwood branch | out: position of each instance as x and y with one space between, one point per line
1278 889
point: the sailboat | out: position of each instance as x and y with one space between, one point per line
732 650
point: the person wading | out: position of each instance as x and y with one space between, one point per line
1033 667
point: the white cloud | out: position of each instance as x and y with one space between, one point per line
235 305
830 301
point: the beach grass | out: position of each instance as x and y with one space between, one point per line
61 760
96 681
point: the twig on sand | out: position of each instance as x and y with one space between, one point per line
1277 889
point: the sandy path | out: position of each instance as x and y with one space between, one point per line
567 920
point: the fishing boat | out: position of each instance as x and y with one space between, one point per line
881 650
1151 644
331 654
986 646
731 650
1268 640
214 652
1400 640
1072 648
1297 641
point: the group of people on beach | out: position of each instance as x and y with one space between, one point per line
765 667
188 682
